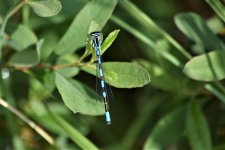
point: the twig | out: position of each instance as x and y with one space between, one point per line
43 66
33 125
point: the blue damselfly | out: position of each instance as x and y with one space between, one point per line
96 40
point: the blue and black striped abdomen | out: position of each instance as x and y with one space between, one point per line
96 38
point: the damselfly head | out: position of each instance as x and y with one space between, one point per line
96 33
95 38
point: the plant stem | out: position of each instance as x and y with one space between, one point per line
54 67
33 125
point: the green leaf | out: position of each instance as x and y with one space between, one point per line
106 43
206 67
50 38
22 38
122 74
215 24
76 35
38 48
197 128
69 71
69 10
46 8
218 7
162 134
159 77
73 133
109 40
26 58
94 27
197 30
76 97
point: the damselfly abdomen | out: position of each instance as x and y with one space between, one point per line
96 41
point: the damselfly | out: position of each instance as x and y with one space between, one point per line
96 40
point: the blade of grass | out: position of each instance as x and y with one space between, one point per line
197 128
138 124
172 59
215 91
146 40
147 22
218 7
73 133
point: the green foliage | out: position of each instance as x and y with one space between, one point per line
196 29
109 40
206 67
218 7
46 8
77 137
105 45
167 79
77 98
77 32
122 75
28 39
26 58
197 129
162 134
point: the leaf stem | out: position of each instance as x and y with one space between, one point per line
33 125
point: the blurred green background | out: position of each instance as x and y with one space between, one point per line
181 108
